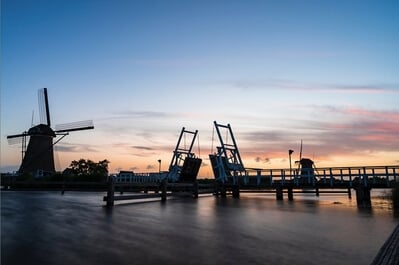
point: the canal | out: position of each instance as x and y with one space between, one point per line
76 228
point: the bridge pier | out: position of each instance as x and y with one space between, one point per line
195 189
363 197
236 191
290 193
279 192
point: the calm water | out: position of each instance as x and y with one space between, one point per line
75 228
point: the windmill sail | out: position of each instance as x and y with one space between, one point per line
74 126
17 135
44 108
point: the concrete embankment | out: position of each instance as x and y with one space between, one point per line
389 252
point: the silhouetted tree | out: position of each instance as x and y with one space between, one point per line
83 167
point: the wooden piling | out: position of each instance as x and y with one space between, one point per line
236 191
223 193
195 189
290 193
110 192
279 193
164 189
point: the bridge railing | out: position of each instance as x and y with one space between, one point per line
376 176
140 177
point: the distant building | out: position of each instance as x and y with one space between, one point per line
125 176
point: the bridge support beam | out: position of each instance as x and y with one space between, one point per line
363 197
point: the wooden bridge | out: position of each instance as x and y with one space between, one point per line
321 180
278 181
332 177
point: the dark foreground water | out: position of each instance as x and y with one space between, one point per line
75 228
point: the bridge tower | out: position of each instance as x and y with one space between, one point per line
184 166
226 162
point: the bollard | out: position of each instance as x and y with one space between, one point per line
317 192
349 193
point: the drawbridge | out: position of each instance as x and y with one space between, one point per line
226 162
184 166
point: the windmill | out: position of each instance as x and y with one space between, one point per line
38 156
306 168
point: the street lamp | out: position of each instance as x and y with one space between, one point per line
289 154
159 168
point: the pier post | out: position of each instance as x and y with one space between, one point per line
223 191
164 188
363 197
110 192
290 194
236 191
195 189
63 188
216 188
279 192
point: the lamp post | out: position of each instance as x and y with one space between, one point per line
159 168
289 154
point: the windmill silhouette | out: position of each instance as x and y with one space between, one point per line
38 156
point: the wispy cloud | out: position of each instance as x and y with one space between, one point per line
173 62
143 148
136 114
74 148
283 84
357 132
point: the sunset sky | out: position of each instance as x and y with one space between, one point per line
326 72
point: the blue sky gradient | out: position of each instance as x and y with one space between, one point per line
277 71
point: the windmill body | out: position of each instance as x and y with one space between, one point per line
39 155
38 158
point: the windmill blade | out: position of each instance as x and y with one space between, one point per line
300 153
300 157
17 135
44 109
17 140
74 126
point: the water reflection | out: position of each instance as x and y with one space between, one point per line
75 228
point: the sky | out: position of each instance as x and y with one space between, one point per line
324 72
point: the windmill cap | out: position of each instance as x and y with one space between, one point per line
41 129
